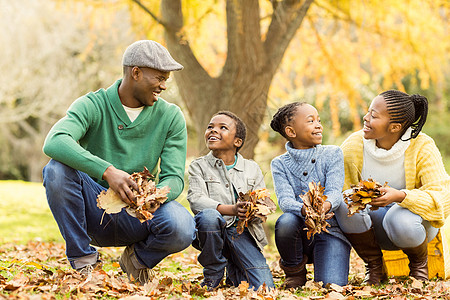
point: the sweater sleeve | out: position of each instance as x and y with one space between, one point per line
352 149
173 157
198 193
62 144
287 199
431 197
334 177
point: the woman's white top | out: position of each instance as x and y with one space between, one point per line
386 165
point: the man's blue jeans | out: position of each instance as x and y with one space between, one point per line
329 254
72 197
223 247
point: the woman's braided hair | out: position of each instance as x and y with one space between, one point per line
284 116
408 110
241 129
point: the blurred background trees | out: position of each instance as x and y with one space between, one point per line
248 56
51 54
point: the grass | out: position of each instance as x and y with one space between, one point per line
25 213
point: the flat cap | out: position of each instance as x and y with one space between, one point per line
150 54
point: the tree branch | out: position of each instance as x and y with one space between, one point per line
147 10
286 19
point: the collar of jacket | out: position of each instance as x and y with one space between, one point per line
218 163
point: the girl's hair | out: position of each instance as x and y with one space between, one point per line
241 130
284 116
408 110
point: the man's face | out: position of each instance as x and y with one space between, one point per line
149 85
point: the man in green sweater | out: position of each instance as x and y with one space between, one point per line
105 136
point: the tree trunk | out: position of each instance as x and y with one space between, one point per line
249 69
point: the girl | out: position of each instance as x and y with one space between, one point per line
307 160
391 149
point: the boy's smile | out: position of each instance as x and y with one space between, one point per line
220 136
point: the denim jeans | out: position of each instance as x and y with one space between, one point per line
395 227
223 247
329 254
72 197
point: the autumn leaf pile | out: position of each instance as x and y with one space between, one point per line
316 216
362 194
148 198
258 205
39 270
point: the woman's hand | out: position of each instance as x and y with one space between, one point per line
121 182
389 195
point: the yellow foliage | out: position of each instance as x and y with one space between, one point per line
344 54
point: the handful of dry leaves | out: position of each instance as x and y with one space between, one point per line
258 205
362 194
316 216
148 198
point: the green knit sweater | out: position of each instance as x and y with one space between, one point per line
96 133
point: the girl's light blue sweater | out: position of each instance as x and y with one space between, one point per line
295 169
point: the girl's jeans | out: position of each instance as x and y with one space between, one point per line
329 254
72 197
223 247
395 227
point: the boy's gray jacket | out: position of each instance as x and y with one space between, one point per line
210 184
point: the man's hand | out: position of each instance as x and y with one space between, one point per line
121 182
389 195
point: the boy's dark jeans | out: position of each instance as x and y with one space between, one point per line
222 247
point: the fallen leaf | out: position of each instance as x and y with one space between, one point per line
316 216
148 198
362 194
258 205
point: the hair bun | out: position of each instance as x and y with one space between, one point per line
418 98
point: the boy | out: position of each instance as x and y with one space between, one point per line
214 183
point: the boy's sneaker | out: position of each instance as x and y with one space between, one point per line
141 275
88 269
211 284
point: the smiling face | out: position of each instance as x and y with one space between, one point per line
220 135
305 129
378 126
149 83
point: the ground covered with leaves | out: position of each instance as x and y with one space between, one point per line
39 270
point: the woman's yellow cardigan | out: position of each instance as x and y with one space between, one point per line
427 182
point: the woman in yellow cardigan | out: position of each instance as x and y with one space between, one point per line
390 148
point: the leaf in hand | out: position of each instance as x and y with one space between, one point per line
362 194
148 198
316 216
258 205
110 202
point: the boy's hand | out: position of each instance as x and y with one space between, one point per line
240 209
121 182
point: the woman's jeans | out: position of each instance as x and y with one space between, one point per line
223 247
395 227
329 254
72 197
